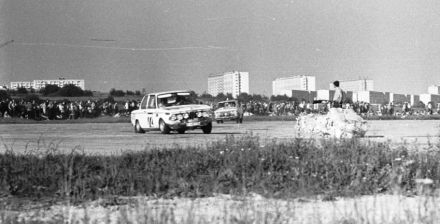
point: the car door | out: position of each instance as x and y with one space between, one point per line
151 111
155 118
142 115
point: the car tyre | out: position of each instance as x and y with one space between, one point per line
181 131
164 129
138 128
207 128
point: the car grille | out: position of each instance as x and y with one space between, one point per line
192 115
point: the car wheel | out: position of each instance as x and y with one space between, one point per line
207 128
241 120
237 120
164 129
138 128
181 131
218 121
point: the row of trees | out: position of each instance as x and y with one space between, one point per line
68 90
120 93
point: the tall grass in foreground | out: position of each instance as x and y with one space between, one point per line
242 166
233 166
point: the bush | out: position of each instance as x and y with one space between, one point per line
50 89
70 90
21 90
4 95
88 93
116 93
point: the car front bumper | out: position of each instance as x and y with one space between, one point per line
189 124
218 118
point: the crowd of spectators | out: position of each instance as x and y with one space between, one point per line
288 108
65 109
59 110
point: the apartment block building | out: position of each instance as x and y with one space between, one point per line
229 82
355 85
39 84
285 85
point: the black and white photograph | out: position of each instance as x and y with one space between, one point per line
219 111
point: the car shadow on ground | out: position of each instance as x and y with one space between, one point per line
192 133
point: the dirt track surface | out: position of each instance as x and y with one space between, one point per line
110 138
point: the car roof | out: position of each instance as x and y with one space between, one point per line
173 91
225 101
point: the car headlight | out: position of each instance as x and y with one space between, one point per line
186 115
179 117
173 117
199 114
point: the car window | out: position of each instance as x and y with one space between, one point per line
152 102
144 103
174 99
226 104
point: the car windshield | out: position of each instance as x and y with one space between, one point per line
226 104
175 99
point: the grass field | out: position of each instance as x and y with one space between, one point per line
327 169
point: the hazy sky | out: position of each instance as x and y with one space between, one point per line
169 44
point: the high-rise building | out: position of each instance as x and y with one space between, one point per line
435 89
229 82
285 85
355 85
215 84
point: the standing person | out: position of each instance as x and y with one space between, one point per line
43 107
405 108
82 109
71 111
12 108
51 110
28 110
391 108
126 108
337 98
115 108
430 108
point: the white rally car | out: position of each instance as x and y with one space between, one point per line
228 110
172 110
